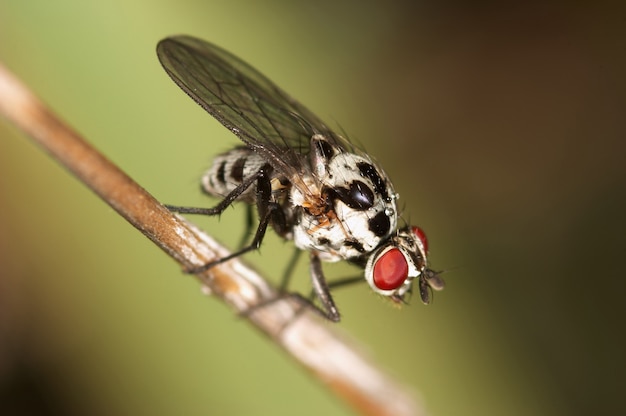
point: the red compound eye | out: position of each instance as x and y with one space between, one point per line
390 270
421 235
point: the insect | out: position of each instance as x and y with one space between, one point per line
308 183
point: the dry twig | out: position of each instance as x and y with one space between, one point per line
303 335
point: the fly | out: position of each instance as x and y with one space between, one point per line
309 184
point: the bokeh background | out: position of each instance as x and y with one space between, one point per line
501 126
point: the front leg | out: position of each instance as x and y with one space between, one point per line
320 288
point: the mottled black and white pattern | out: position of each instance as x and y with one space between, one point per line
310 184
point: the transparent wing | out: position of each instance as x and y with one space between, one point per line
246 102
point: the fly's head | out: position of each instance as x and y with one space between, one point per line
391 269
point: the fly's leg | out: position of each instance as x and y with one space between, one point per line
249 224
320 288
346 281
224 203
289 270
268 211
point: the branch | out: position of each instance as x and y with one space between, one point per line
301 333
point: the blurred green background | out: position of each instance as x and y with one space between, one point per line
502 128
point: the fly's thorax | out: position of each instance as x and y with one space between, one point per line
362 196
309 188
359 205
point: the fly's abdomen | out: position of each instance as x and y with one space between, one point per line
229 170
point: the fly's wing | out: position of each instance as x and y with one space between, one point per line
246 102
